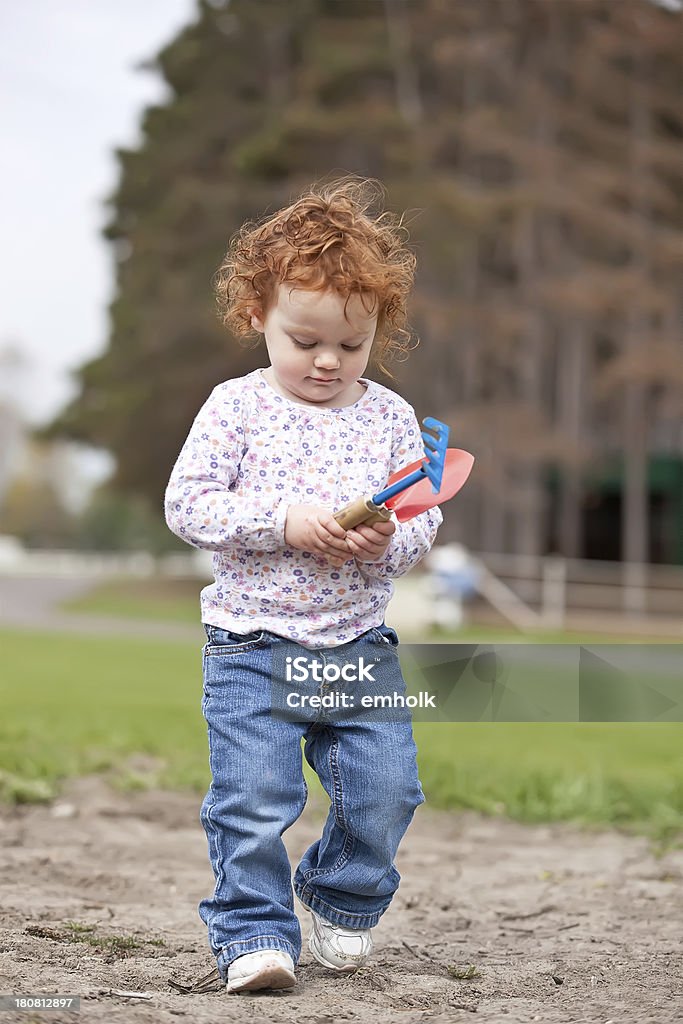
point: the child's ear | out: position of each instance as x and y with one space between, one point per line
257 319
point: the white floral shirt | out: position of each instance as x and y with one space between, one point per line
250 454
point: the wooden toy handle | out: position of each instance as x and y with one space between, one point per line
362 510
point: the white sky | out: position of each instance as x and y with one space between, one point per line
70 94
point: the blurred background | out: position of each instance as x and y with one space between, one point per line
537 149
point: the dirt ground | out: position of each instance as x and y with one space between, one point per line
98 896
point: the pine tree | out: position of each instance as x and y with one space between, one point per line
537 149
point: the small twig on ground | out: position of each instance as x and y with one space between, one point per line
211 982
533 913
125 995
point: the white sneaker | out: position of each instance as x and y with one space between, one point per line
339 949
266 968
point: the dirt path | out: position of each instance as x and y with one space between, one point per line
560 925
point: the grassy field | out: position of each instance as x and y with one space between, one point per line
155 600
131 708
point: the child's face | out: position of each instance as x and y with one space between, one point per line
316 352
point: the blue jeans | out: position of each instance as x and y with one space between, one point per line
366 762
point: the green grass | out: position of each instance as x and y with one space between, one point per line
154 600
619 774
507 635
118 946
73 705
178 601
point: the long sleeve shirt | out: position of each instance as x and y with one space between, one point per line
250 454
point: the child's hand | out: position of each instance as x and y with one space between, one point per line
312 528
368 542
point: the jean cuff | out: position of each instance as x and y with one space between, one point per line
334 916
243 946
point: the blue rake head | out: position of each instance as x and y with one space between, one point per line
435 451
432 467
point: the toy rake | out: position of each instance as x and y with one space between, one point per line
417 487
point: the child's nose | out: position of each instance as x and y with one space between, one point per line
327 361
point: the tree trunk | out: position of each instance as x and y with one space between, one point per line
635 512
406 79
571 386
528 515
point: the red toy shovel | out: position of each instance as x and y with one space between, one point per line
415 499
419 498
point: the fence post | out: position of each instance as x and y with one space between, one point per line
554 591
634 596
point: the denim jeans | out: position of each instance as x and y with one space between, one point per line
367 764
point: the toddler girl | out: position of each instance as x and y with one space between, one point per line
269 459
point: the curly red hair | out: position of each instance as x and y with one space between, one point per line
328 238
